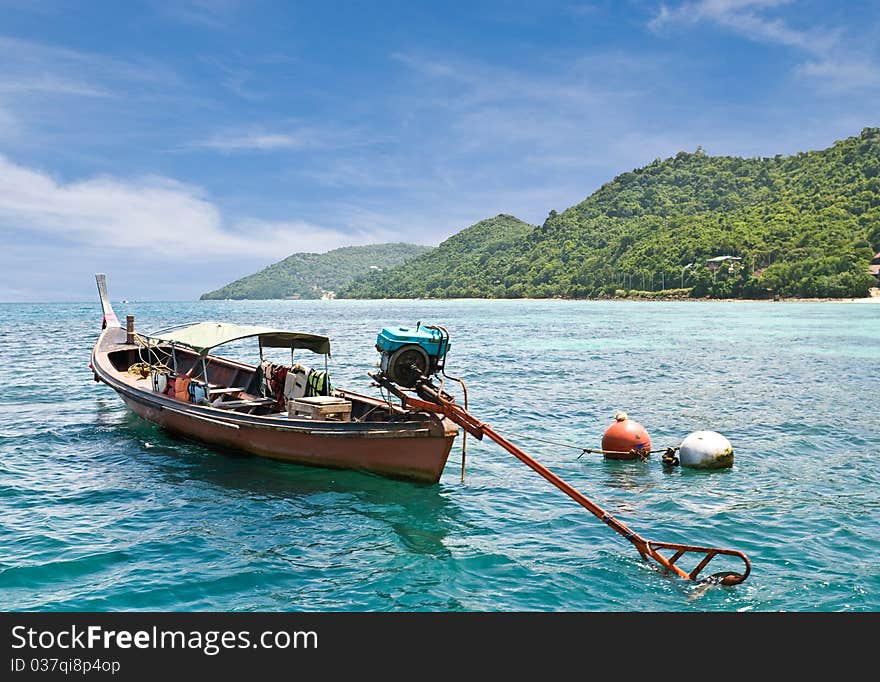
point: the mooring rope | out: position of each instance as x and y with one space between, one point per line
668 458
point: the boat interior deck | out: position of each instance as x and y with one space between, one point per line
231 385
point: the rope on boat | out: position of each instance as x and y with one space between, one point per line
154 358
668 458
140 369
464 434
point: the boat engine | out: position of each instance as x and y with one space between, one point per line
411 353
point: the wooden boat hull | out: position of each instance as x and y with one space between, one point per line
414 449
414 456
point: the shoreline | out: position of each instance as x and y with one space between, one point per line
867 299
874 297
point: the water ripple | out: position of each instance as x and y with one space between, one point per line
102 511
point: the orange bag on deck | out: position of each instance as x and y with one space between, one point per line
181 387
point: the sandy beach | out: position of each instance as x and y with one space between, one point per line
873 297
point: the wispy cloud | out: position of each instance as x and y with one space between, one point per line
555 110
524 140
34 74
8 123
364 172
833 62
586 81
65 98
73 71
52 85
285 136
748 18
244 74
30 67
478 138
841 74
206 13
171 219
254 141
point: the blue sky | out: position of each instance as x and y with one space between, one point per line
177 146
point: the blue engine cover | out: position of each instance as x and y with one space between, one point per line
434 342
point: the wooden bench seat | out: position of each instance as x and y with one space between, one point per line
221 390
231 404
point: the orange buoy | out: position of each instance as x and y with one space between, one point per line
624 436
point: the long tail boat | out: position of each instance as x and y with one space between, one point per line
223 403
231 408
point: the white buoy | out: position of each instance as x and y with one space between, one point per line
705 450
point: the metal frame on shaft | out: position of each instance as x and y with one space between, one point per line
434 400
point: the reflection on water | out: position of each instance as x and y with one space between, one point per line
419 514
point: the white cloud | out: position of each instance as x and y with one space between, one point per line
43 83
28 63
207 13
834 64
282 238
254 140
839 75
745 17
8 123
155 215
286 135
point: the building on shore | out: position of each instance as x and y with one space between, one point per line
715 263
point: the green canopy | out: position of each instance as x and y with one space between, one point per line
204 336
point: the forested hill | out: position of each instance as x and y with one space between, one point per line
462 266
313 275
802 225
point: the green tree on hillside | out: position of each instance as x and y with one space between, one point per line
801 225
312 275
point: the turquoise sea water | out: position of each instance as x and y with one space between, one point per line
100 510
